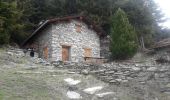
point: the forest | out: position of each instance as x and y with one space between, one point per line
19 18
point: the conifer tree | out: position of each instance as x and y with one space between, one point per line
9 25
123 36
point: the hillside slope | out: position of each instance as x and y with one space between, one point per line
25 78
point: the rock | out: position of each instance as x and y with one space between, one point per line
119 80
10 53
85 72
135 68
137 65
110 72
94 72
152 69
73 95
100 95
112 81
124 81
168 85
60 66
54 75
47 64
109 78
167 93
92 90
71 73
115 98
71 81
120 73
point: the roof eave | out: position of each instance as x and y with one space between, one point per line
34 33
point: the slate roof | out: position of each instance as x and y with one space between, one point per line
87 21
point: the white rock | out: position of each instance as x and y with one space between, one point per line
119 80
71 81
54 75
73 95
92 90
85 72
135 68
100 95
152 69
10 53
71 73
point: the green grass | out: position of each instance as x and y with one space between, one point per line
1 95
20 87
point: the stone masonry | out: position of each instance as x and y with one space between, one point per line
143 80
65 34
56 35
41 41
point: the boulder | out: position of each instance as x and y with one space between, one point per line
73 95
85 72
71 81
100 95
92 90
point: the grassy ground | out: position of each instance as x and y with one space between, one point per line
20 83
21 79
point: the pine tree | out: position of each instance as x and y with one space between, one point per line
123 36
9 21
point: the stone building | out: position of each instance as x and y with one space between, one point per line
73 38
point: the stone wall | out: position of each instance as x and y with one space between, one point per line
104 47
42 40
65 34
144 80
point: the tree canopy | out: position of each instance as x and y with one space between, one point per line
141 14
9 21
123 36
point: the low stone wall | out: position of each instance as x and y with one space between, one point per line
145 75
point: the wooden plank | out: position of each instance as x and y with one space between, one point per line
65 53
87 52
46 52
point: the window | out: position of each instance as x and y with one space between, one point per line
87 52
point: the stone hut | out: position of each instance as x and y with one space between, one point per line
73 38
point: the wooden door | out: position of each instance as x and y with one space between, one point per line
87 52
46 52
65 53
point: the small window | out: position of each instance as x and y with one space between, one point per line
87 52
78 28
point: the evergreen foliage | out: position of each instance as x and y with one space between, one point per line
142 14
9 16
123 36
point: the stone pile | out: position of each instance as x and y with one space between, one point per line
17 57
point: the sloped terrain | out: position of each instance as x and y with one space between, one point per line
25 78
